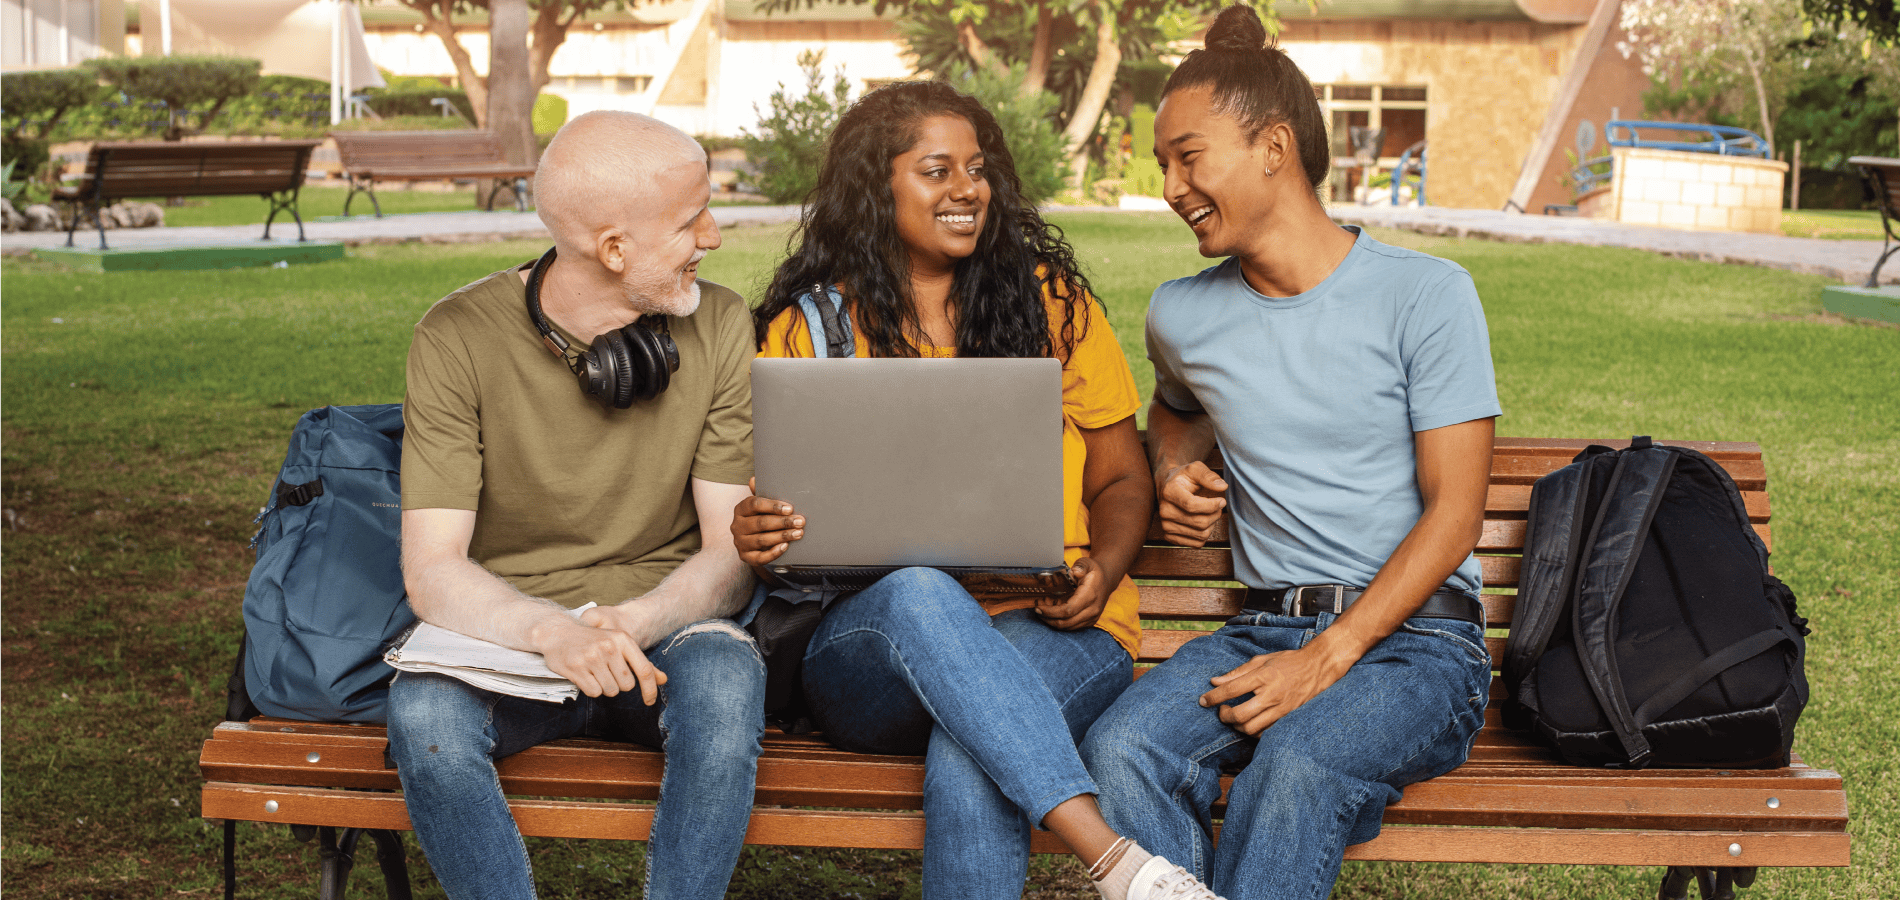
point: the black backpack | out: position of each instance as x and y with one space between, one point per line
1648 631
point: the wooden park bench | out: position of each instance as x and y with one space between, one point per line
273 170
1513 802
372 156
1881 174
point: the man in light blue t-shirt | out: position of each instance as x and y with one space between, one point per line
1355 421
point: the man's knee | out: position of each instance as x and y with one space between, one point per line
714 671
435 720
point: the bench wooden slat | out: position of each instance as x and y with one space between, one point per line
803 827
1217 564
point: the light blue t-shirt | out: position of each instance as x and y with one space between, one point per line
1314 400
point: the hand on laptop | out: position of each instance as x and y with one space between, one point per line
1080 609
762 528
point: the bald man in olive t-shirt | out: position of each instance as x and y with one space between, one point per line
524 497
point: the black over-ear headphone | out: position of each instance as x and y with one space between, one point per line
627 364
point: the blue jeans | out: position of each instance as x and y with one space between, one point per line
446 735
1314 782
913 665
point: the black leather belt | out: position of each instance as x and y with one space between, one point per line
1313 599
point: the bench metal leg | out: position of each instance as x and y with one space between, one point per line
1712 884
521 195
1873 278
283 201
365 186
81 207
230 859
337 852
389 856
336 856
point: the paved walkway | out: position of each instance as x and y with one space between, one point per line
444 227
1847 261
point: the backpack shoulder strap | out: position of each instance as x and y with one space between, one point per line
1629 506
828 323
1559 518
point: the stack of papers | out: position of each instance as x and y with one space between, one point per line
484 664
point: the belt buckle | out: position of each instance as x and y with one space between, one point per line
1301 595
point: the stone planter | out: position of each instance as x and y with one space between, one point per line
1696 191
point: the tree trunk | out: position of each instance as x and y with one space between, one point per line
1088 109
550 31
1755 64
437 18
510 83
1040 51
973 44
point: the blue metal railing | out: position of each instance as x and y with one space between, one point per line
1588 178
1720 139
1407 167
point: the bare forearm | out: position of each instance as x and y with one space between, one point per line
460 595
1176 438
1118 524
712 584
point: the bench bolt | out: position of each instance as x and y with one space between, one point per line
313 757
1735 849
1774 802
270 806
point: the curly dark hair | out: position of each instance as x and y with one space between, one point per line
847 236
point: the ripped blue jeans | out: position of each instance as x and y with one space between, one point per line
1312 783
446 735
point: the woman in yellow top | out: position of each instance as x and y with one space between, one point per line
918 224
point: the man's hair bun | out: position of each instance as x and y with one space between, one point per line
1237 30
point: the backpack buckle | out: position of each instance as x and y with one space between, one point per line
299 494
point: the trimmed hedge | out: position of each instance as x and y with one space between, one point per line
41 99
188 85
417 101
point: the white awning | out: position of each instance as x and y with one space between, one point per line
290 37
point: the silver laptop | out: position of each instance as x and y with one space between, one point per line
954 464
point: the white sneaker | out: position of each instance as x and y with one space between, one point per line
1158 879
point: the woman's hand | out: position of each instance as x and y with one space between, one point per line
762 528
1080 609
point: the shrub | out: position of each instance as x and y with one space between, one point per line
1028 125
38 100
187 85
790 143
283 105
550 113
415 100
1142 176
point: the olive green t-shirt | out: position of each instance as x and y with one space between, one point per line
574 501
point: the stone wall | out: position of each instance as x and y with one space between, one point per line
1696 191
1488 87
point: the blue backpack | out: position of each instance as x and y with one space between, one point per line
326 595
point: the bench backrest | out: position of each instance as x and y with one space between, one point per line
1186 591
366 151
164 169
1882 175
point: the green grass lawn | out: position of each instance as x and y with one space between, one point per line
145 414
1833 224
317 201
